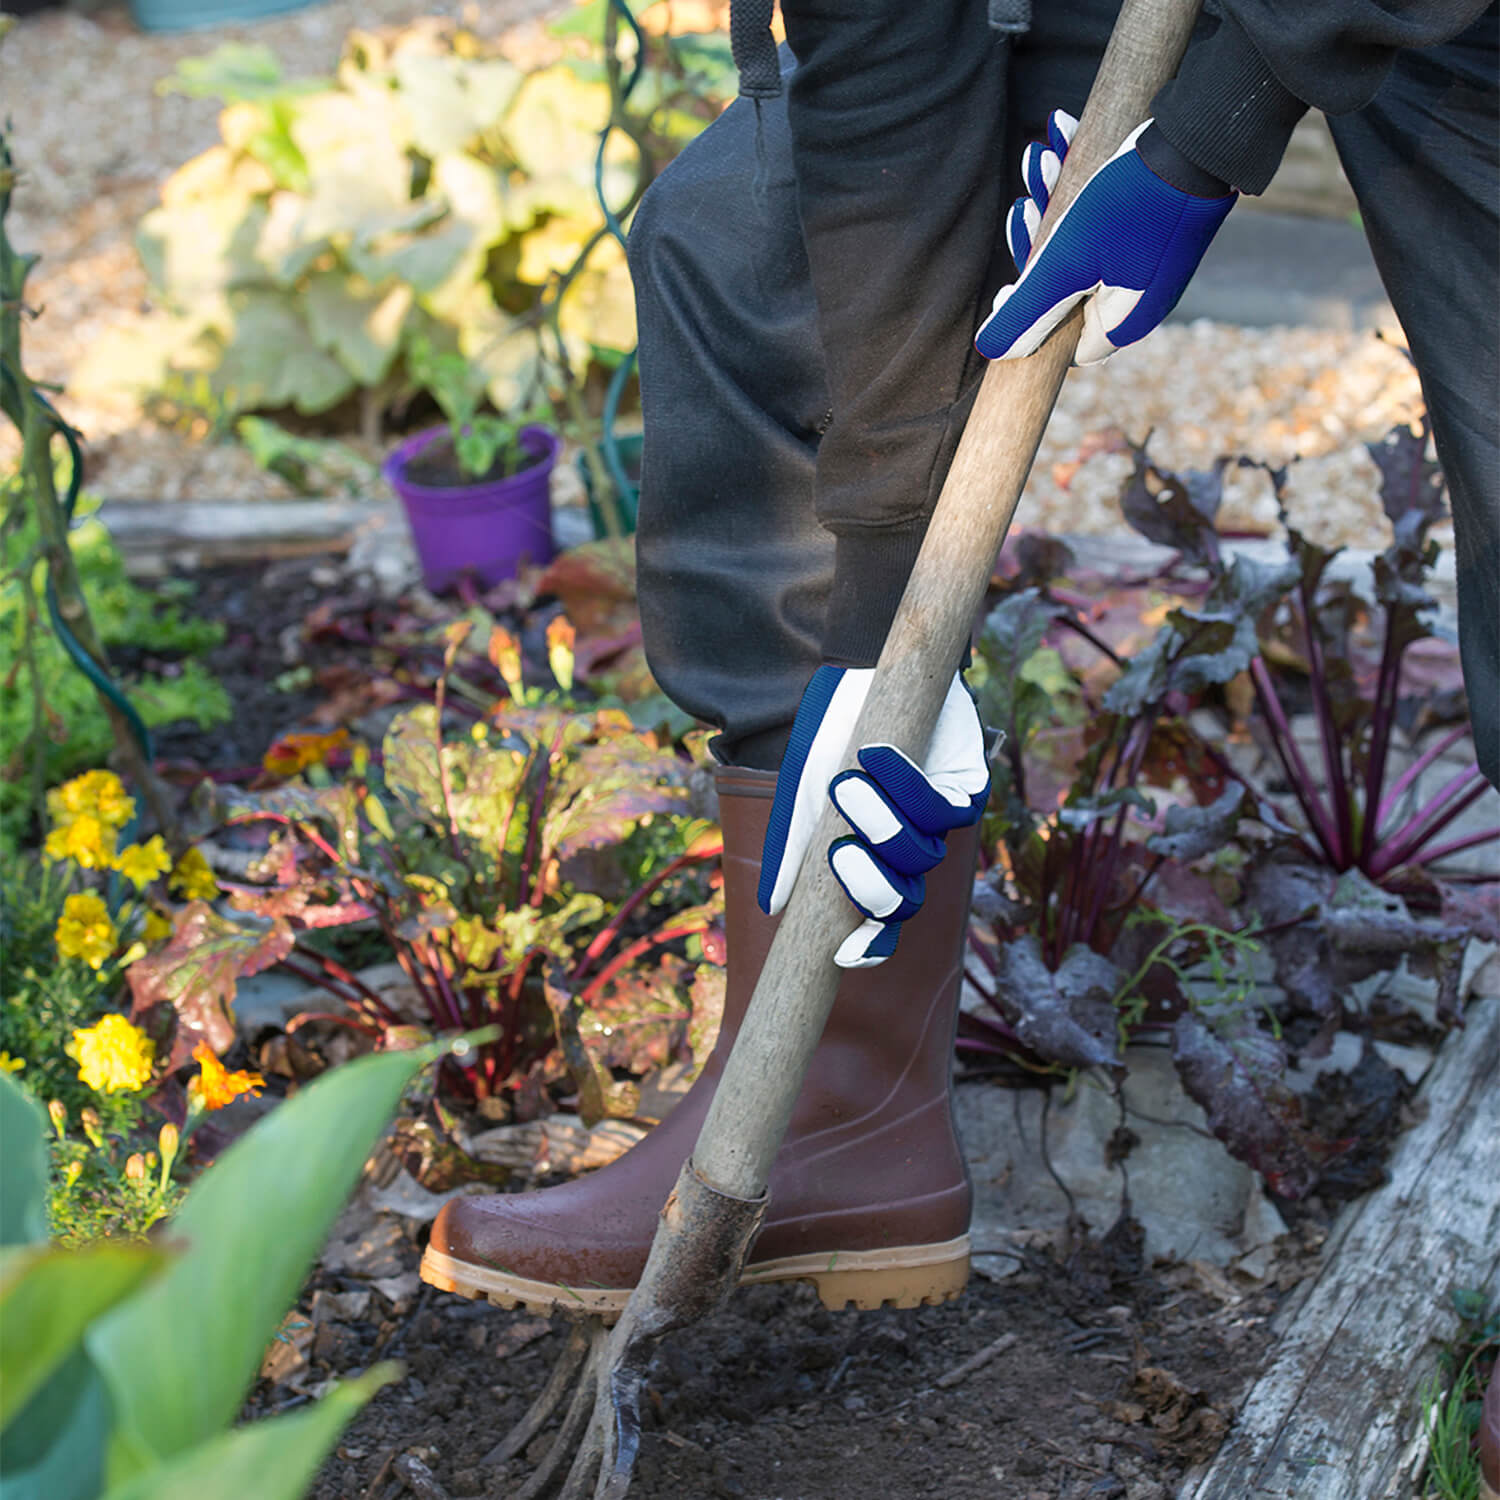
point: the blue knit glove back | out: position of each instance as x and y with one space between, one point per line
1129 243
900 812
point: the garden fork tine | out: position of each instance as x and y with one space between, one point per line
712 1215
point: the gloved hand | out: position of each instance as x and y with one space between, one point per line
1129 243
899 811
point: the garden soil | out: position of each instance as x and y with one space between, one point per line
1112 1379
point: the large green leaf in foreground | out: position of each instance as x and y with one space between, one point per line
271 1460
180 1355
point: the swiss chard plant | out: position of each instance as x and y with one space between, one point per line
541 873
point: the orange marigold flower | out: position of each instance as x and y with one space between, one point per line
215 1086
297 751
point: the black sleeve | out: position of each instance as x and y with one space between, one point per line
1243 86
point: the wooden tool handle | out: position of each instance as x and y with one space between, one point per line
754 1101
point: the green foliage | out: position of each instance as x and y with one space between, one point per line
312 466
76 732
431 191
102 1189
1452 1397
124 1366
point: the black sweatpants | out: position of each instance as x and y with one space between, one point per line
808 285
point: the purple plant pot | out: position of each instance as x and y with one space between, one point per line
487 529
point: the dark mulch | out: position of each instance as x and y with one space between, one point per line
1120 1376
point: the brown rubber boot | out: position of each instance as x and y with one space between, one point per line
869 1194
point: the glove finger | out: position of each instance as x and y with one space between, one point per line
869 944
820 735
931 805
1021 225
1025 313
1060 128
875 889
865 807
1103 314
1039 169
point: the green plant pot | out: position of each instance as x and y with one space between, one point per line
191 15
630 456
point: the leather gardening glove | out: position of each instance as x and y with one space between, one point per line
899 812
1129 243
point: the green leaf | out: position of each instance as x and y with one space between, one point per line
23 1166
54 1450
180 1355
271 1460
273 361
358 324
450 100
233 72
48 1297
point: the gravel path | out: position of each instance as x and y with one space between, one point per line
95 140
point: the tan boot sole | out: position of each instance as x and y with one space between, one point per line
910 1276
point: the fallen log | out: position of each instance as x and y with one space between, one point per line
1337 1413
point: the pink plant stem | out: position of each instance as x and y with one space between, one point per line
979 983
1468 841
434 962
1333 760
434 1004
1290 757
1097 642
303 1017
1467 787
1415 769
978 950
641 945
1387 689
606 934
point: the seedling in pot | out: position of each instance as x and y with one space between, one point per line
481 445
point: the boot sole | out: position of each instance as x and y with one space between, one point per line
909 1276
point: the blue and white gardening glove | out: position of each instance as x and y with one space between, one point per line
1129 243
900 812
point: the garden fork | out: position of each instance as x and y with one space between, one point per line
714 1211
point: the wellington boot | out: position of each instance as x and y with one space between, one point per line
869 1196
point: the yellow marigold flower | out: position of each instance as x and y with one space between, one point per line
113 1056
215 1086
9 1064
140 864
85 931
192 879
86 840
112 803
157 927
99 794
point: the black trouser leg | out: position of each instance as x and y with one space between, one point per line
1424 159
735 569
